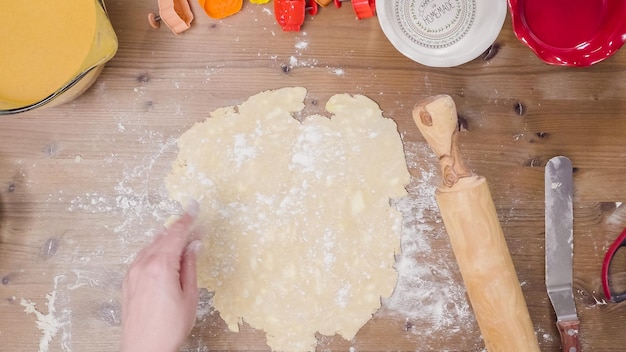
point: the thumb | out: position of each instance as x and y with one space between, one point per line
188 276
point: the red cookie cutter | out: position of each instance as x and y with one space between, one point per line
362 8
176 14
290 13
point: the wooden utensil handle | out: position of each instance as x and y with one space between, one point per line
569 335
440 131
476 236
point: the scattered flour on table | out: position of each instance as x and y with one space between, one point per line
337 71
296 60
53 322
139 198
429 294
301 45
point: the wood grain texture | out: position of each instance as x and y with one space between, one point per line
88 174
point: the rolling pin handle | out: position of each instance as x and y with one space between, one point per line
450 177
471 221
426 119
437 120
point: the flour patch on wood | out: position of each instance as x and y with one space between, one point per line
52 322
430 295
301 45
138 198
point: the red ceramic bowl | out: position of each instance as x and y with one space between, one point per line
570 32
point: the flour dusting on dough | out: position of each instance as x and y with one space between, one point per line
302 237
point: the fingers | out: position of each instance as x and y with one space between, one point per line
175 238
178 233
183 226
172 253
188 281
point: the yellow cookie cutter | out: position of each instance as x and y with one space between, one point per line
176 14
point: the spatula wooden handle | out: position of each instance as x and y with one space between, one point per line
569 335
476 236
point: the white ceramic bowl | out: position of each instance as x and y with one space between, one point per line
441 33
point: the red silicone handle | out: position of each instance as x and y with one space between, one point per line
606 263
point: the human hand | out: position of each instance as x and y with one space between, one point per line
160 292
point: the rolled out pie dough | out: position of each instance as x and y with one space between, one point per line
299 236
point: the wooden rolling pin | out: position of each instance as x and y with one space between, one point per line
471 221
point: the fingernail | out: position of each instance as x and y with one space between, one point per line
194 246
193 208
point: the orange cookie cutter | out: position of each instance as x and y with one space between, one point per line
221 8
176 14
290 13
362 8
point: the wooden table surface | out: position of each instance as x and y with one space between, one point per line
81 185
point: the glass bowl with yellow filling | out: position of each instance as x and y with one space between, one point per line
52 51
